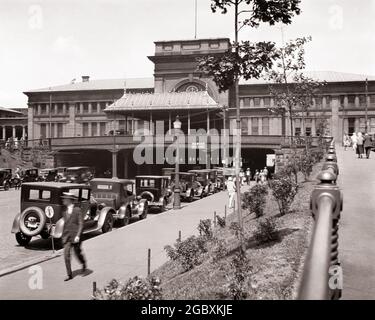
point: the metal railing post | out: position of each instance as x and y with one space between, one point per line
326 205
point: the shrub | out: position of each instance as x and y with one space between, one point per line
266 231
221 221
239 276
283 190
220 250
235 227
187 252
306 163
292 167
205 228
255 200
134 289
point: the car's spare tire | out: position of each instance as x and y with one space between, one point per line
32 221
148 196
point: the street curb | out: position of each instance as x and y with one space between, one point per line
30 263
58 253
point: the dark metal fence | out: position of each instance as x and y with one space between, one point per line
322 276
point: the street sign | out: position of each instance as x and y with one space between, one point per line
49 212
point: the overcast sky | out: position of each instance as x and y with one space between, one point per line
44 43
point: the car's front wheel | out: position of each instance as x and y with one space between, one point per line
22 239
144 213
108 223
6 186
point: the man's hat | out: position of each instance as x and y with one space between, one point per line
68 195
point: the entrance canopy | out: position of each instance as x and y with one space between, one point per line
138 103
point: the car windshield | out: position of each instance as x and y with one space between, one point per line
147 183
104 187
182 177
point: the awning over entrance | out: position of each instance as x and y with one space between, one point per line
166 101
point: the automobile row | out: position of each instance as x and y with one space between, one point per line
106 201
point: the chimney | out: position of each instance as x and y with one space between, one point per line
85 78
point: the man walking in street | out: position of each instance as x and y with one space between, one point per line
72 233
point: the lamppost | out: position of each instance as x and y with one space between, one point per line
177 191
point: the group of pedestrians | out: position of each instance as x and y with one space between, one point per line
361 143
260 176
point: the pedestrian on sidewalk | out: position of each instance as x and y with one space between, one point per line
360 141
346 141
256 176
231 187
248 176
354 141
72 233
367 143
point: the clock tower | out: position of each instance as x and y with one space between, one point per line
176 66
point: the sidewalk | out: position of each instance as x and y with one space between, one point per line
357 224
119 254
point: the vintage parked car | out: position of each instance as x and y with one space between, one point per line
5 179
154 189
220 178
120 195
42 211
30 175
206 177
189 185
78 175
48 174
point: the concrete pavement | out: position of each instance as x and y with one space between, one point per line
119 254
357 224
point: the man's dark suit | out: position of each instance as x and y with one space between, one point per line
72 228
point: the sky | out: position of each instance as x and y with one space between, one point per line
50 42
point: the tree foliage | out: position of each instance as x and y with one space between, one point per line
259 11
252 61
255 199
247 60
284 190
292 90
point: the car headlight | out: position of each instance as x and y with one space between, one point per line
141 206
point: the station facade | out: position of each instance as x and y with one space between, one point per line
87 112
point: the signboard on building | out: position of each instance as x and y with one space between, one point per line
270 160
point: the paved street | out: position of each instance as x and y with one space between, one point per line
357 225
11 254
119 254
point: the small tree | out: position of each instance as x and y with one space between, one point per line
292 167
284 190
306 164
187 252
135 288
239 276
266 231
292 91
255 200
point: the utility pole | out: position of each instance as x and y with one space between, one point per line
238 131
195 20
366 110
50 114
